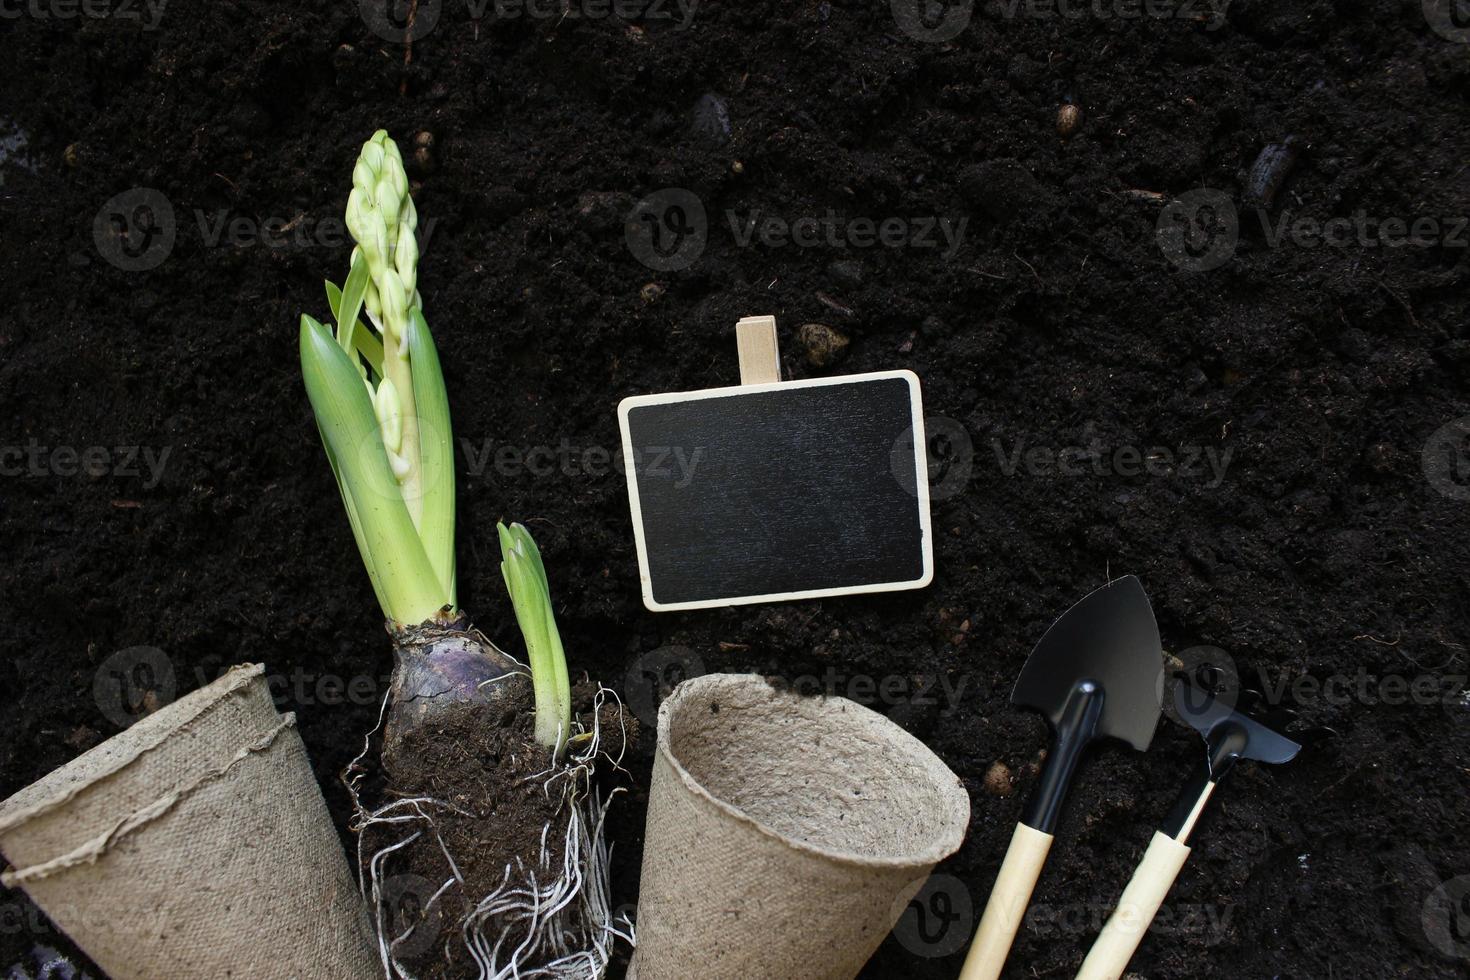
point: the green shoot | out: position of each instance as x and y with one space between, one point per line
379 399
525 579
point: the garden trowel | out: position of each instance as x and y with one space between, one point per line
1230 736
1097 673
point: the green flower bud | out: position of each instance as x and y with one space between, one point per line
372 302
393 170
406 260
389 205
401 466
395 303
356 204
390 148
390 415
372 155
364 176
375 246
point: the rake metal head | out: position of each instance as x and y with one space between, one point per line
1250 729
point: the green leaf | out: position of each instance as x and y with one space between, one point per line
355 521
352 293
436 451
364 340
369 346
409 590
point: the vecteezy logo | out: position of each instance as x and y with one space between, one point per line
401 21
133 683
667 230
938 920
1205 674
414 921
1446 918
380 481
1450 19
949 454
934 21
1198 230
50 965
135 230
652 676
1446 459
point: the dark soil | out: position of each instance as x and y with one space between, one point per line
485 767
1325 370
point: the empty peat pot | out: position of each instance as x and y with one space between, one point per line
785 833
194 844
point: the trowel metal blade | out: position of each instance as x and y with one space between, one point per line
1109 637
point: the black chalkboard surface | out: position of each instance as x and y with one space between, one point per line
789 490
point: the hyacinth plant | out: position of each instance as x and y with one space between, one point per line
535 904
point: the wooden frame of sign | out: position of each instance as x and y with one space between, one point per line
775 490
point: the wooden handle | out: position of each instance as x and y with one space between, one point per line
1137 906
1007 905
760 355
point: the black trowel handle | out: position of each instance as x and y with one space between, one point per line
1150 883
1032 839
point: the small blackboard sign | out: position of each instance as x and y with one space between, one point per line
782 490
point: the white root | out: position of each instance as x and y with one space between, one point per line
560 917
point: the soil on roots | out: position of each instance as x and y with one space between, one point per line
501 809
